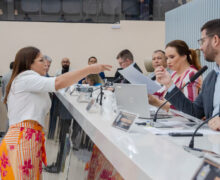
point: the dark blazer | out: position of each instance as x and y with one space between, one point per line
203 105
117 74
123 80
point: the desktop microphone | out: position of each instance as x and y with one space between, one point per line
192 79
101 96
200 72
153 78
118 79
191 144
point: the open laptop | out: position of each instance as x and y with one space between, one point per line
133 98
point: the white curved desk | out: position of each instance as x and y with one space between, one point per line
139 156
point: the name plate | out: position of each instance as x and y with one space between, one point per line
208 170
124 120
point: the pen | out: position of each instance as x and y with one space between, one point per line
141 123
183 134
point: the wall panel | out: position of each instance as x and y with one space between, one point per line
185 22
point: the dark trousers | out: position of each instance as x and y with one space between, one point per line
64 129
53 116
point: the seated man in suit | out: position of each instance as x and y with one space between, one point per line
125 59
117 74
208 102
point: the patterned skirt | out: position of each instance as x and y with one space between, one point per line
100 168
22 152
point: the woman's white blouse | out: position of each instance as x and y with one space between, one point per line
28 98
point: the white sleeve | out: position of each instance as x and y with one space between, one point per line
33 82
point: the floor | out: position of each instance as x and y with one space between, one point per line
74 164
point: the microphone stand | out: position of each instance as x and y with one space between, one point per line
93 91
101 95
155 115
117 79
191 144
106 85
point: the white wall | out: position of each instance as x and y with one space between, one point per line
79 41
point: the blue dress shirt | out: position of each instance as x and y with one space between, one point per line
216 98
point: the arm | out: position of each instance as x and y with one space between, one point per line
179 100
102 75
215 123
70 78
157 102
31 81
192 89
184 104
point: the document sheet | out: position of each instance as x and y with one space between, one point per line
136 77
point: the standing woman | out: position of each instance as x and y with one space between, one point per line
22 150
184 63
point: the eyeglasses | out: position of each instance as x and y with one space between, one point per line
202 40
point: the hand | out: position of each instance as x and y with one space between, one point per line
97 68
215 123
166 107
84 82
157 102
163 76
110 89
153 100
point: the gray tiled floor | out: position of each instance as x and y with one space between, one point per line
77 162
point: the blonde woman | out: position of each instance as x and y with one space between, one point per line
94 80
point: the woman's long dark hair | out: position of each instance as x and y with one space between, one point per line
183 49
23 60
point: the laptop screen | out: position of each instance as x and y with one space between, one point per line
133 98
